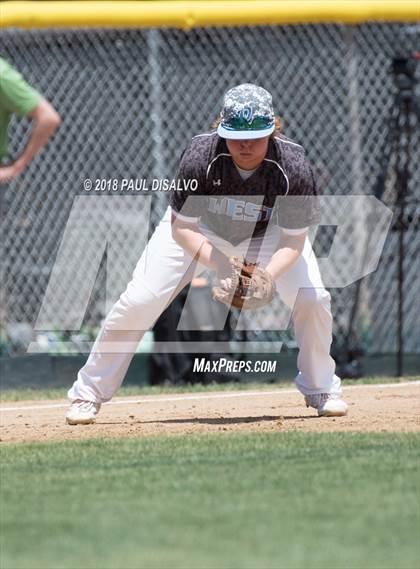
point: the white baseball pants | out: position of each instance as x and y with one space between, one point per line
165 268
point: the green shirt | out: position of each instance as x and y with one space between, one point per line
16 96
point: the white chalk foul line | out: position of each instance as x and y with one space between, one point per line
206 396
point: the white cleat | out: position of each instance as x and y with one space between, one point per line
82 412
327 405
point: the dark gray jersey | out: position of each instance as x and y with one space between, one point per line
237 209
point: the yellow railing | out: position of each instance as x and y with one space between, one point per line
190 14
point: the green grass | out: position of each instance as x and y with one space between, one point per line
237 501
26 394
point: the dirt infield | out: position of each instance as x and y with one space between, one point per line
388 408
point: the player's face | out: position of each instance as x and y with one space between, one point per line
248 154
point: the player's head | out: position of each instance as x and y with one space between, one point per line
246 122
247 113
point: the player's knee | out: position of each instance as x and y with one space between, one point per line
313 298
139 298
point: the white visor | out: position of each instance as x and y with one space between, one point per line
244 134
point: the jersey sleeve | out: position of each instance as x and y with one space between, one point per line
187 204
300 208
16 95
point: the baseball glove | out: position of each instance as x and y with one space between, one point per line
250 286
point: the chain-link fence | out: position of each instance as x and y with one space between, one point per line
131 99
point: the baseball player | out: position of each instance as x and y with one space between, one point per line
17 96
240 170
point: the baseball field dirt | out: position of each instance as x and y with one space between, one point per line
372 408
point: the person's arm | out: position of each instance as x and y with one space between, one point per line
186 212
45 121
291 247
295 212
189 237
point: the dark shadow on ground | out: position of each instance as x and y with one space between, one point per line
227 420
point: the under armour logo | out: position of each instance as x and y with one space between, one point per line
217 182
247 113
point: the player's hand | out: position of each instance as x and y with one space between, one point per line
10 171
250 286
223 270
